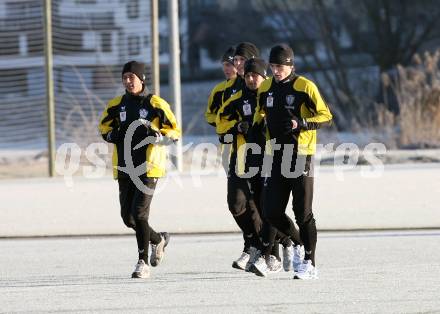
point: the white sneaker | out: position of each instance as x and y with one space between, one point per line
254 253
157 250
141 270
288 258
241 262
273 264
298 257
306 271
260 267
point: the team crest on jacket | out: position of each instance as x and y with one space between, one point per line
290 100
143 113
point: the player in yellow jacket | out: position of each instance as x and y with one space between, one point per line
235 119
293 110
216 96
139 124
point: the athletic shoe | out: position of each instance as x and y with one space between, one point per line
141 270
254 253
157 250
288 258
298 257
306 271
273 264
260 267
241 262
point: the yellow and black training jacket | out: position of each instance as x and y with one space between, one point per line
295 97
215 102
232 87
120 112
239 107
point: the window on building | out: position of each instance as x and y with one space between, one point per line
10 44
35 43
13 81
134 45
104 78
24 9
106 42
133 9
85 1
73 45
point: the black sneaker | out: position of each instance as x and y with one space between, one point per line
157 250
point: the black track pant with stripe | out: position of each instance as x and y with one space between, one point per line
135 210
272 233
277 190
244 210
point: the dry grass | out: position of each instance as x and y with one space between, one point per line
417 90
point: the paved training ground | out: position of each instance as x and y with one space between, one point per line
188 203
368 272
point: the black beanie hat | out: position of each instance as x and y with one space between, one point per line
255 65
135 67
247 50
228 56
281 54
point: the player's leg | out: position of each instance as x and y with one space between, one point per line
302 193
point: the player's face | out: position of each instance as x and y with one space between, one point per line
239 64
253 80
132 83
229 70
280 71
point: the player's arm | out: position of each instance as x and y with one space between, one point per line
322 115
109 124
214 103
167 124
227 116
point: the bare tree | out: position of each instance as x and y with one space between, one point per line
388 31
334 40
400 29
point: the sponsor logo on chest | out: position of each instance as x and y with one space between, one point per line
123 114
269 101
247 108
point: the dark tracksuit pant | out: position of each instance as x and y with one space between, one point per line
135 210
277 190
244 210
259 136
241 203
272 232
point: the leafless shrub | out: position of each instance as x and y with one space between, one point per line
417 90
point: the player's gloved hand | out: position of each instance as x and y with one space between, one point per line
243 127
150 129
145 123
226 138
157 137
114 136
